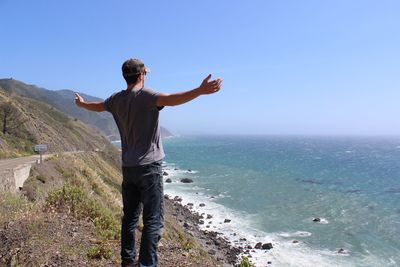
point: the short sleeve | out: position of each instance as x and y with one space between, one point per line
108 103
150 99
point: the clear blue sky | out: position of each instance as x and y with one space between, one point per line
289 67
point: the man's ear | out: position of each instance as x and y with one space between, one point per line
141 77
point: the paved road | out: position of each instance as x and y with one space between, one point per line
15 162
14 172
12 163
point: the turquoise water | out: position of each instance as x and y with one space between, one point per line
273 187
281 183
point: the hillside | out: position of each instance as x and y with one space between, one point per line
63 101
69 215
33 122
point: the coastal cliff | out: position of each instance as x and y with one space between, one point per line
67 213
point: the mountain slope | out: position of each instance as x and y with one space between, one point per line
40 123
63 101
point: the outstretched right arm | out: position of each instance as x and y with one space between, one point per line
92 106
206 87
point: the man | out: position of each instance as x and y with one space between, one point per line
136 111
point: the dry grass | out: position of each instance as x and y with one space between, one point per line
85 186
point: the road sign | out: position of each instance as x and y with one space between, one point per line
40 148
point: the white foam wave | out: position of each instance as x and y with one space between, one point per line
173 169
324 221
295 234
319 220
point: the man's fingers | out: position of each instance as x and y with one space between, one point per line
207 78
78 98
211 86
216 83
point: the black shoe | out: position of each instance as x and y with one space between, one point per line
128 263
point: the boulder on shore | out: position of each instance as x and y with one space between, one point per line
177 198
227 221
258 245
267 246
165 173
186 180
168 180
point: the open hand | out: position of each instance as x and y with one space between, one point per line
210 87
79 100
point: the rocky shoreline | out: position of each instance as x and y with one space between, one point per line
227 250
227 253
212 242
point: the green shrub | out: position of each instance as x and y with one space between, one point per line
76 200
245 262
99 252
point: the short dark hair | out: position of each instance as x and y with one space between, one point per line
132 79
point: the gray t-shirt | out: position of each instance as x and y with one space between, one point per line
136 114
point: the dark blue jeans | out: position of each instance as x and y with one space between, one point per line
142 187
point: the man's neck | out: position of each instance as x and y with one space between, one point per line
135 86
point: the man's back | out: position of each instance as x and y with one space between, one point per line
136 113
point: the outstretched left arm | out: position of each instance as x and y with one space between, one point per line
92 106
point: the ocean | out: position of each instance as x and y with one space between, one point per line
272 188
